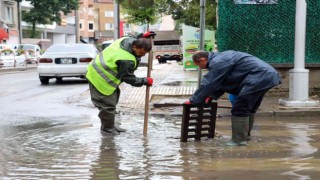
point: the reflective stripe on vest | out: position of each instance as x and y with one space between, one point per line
105 67
102 71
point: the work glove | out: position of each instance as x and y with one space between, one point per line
187 102
149 81
149 34
208 100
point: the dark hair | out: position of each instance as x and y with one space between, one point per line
143 43
200 54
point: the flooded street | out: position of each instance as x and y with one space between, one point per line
286 149
52 132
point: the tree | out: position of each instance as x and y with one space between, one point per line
47 11
182 11
188 12
140 11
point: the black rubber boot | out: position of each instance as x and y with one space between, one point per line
119 129
108 130
240 128
251 122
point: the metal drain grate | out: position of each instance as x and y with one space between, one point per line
198 122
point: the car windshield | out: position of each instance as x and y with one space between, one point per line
6 53
27 47
79 48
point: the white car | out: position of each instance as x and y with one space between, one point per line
12 60
65 60
31 51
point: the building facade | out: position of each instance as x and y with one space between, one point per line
9 31
86 22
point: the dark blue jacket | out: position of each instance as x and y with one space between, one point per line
236 73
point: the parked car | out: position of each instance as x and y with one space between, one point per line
65 60
9 59
167 57
31 51
106 44
12 47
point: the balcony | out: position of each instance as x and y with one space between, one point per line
9 2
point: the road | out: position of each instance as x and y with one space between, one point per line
24 96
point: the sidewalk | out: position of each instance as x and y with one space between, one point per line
172 84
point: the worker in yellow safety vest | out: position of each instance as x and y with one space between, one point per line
114 65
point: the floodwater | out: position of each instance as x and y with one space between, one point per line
75 149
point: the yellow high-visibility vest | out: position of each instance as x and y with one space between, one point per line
102 71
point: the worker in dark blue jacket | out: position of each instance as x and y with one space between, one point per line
240 74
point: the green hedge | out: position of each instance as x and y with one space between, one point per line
267 31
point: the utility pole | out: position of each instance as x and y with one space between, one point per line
19 22
202 30
299 76
116 18
76 19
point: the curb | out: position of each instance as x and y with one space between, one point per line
296 113
17 69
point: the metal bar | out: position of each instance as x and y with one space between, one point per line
185 123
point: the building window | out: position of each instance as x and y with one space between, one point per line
109 26
81 24
9 15
127 26
108 13
90 26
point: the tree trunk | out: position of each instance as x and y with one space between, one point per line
33 33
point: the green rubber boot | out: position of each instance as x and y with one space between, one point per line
240 128
251 122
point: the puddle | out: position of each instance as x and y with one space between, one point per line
283 149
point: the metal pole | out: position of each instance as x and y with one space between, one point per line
299 76
300 34
19 22
116 17
202 29
76 25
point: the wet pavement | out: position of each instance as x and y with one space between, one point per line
284 149
44 144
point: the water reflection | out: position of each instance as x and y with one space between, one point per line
75 149
107 164
302 148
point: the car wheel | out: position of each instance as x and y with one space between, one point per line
59 79
44 80
160 60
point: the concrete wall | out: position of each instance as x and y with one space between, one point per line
71 38
59 39
314 80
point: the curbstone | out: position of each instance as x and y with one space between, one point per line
5 69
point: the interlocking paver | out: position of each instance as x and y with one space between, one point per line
134 97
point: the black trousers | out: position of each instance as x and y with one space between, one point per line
248 104
106 105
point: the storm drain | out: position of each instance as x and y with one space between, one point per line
198 122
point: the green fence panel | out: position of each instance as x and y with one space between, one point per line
267 30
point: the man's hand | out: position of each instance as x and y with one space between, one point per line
149 81
187 102
149 34
208 100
